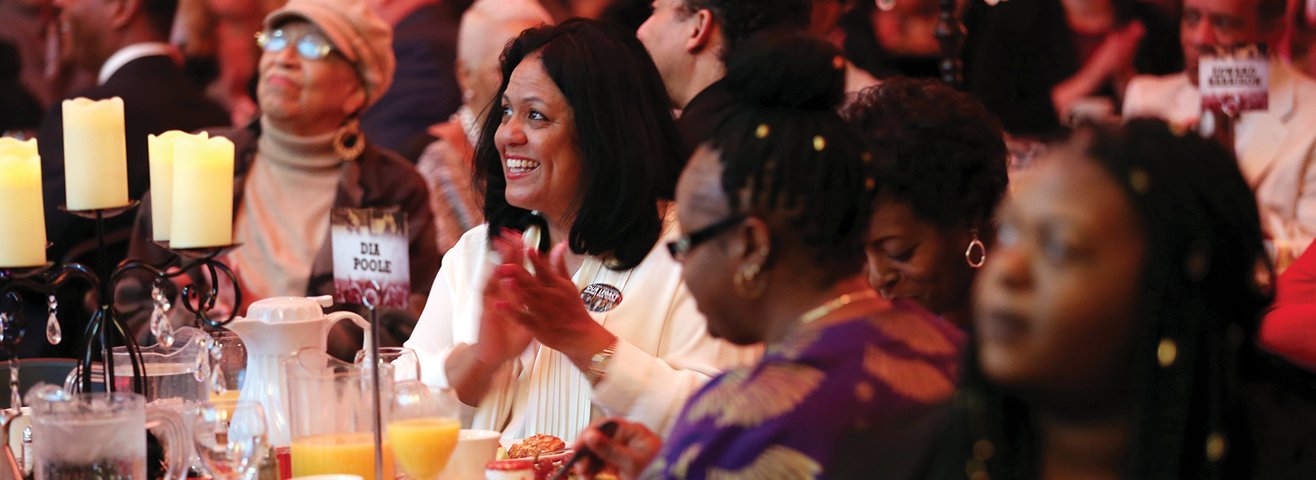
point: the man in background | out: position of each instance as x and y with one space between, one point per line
424 90
1276 147
689 41
124 42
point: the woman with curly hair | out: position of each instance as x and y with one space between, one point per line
940 172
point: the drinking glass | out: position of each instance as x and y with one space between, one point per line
230 439
422 427
406 366
100 435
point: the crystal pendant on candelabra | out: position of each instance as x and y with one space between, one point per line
9 332
161 327
4 326
15 398
204 365
54 334
218 383
217 380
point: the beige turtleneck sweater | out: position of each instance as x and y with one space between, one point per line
283 220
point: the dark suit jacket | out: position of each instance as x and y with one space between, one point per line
157 96
424 90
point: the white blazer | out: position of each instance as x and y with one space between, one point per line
664 353
1276 148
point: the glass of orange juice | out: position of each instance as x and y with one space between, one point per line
339 453
422 427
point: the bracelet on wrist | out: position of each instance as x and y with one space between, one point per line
598 363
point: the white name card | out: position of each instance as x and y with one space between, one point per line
371 257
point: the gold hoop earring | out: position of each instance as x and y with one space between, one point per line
748 282
348 141
975 260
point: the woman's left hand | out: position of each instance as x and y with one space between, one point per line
551 307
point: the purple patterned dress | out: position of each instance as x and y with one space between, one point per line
812 395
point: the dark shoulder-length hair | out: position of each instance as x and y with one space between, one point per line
623 129
1204 286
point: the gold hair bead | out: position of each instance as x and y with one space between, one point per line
838 62
866 157
763 131
864 392
1215 446
819 143
983 450
870 184
1197 265
1262 275
976 470
1167 352
1139 180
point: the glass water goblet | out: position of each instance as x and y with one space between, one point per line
231 439
406 366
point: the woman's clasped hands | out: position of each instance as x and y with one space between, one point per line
540 303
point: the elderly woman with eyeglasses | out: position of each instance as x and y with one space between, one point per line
323 63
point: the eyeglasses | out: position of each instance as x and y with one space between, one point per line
310 45
680 247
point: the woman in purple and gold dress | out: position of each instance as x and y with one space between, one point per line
775 210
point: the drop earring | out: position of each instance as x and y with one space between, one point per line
976 254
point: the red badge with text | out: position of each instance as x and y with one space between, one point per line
1234 79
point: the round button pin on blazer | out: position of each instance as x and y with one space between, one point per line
600 297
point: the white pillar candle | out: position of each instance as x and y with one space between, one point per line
161 148
95 159
202 207
22 226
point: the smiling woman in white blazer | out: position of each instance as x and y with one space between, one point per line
603 325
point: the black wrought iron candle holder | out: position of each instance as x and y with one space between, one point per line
105 330
197 301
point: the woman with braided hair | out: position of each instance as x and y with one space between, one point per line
775 209
1115 325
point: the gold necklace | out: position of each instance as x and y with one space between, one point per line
836 304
